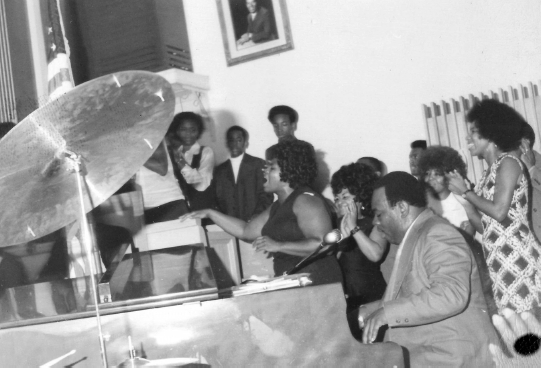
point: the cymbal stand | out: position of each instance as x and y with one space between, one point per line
87 244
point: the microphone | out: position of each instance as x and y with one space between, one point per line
331 238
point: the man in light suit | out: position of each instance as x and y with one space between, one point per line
239 180
433 305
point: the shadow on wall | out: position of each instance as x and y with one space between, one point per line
214 137
324 173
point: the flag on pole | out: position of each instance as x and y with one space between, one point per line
59 75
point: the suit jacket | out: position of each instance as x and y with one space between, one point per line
535 204
435 307
260 26
245 198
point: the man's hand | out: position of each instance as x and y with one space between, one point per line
373 324
244 38
366 310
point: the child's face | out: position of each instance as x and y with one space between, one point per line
188 132
236 143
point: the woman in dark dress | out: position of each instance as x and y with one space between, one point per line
294 226
361 253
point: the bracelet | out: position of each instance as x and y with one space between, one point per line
466 192
355 230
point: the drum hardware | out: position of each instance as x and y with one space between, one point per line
136 361
103 131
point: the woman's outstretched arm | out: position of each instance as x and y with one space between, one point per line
247 231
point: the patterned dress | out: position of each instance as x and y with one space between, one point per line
511 250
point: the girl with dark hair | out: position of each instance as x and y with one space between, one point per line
194 164
434 163
293 227
360 254
512 252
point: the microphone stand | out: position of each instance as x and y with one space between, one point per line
87 244
305 260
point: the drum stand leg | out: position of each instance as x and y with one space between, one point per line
87 244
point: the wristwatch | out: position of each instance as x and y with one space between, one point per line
355 229
466 192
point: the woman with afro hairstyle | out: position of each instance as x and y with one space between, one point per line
293 227
434 163
361 253
511 249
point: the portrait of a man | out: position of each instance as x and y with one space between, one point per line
253 22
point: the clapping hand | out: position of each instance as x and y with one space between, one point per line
349 221
527 156
457 184
180 160
521 334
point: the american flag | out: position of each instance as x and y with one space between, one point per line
59 75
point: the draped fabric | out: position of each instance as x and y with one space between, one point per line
8 108
59 75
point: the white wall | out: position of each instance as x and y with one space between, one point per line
361 69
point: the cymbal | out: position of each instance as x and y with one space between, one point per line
168 362
114 123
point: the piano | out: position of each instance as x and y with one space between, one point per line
164 306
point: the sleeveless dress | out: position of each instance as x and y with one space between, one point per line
282 226
511 250
363 280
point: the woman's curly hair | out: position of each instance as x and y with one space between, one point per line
297 161
498 123
359 180
442 159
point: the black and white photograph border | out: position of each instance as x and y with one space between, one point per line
237 48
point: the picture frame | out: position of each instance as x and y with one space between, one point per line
252 29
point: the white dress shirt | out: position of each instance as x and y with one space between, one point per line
200 178
235 163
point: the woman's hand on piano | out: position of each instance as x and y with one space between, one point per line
201 214
266 244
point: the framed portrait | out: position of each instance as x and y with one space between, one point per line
252 29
